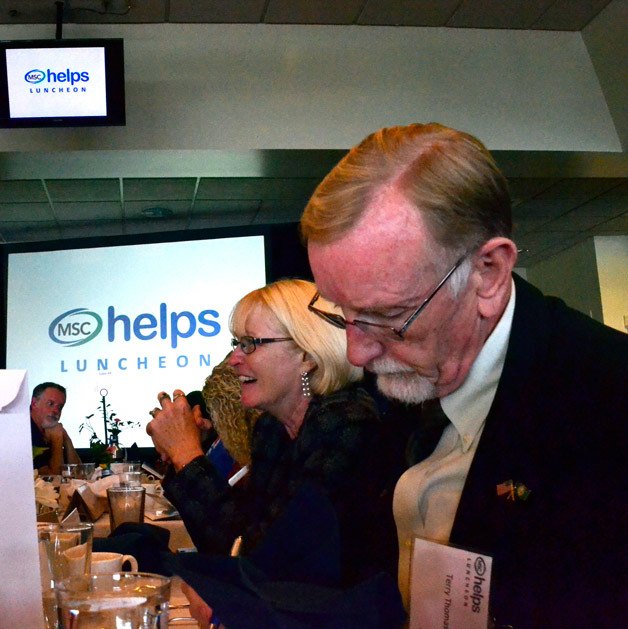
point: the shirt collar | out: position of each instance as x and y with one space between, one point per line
468 406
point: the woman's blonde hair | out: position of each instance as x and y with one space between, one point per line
287 300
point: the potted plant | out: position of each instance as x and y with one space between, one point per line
105 451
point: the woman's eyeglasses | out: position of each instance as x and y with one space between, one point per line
248 343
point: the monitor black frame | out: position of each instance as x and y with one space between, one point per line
114 81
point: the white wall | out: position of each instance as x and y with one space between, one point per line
239 87
611 253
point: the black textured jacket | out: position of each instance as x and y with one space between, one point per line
338 448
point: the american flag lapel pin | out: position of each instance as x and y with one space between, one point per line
512 491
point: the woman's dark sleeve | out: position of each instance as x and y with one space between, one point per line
344 458
209 507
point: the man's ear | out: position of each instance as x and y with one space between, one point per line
494 263
198 416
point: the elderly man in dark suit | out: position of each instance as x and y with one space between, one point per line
525 399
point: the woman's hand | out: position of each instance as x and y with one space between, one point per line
174 430
199 609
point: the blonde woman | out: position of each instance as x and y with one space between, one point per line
318 427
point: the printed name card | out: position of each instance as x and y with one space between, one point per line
449 587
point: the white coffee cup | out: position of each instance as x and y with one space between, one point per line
106 563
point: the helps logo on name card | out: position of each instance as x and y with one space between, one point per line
449 587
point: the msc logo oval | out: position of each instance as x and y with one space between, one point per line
480 566
35 76
75 327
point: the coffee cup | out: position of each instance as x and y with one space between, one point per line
107 563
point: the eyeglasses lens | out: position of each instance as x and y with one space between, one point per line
245 343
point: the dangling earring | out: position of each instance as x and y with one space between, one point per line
305 384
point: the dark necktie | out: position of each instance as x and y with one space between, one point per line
425 438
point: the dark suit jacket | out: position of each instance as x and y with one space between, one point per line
558 425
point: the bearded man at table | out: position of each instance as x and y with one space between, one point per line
52 445
410 235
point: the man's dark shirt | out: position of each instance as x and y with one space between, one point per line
37 437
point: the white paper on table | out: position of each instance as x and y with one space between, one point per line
449 587
20 585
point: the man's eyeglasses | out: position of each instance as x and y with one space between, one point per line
248 343
379 329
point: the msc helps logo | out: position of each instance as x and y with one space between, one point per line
68 76
80 325
35 76
75 327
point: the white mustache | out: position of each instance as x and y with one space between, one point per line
385 366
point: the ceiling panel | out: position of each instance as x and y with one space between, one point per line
83 189
135 209
242 11
155 188
20 212
88 229
279 211
107 210
255 188
524 188
619 224
407 12
116 11
570 15
244 207
595 211
155 226
549 214
22 191
312 11
218 219
31 232
512 14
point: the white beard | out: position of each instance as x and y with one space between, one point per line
398 381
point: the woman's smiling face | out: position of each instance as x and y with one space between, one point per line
271 375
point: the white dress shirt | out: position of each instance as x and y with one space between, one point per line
427 495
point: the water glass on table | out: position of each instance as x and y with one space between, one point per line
133 600
126 504
130 479
64 551
120 467
79 471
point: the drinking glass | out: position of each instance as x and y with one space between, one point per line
85 471
68 472
133 600
63 551
126 504
130 479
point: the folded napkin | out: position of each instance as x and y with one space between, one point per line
46 494
99 487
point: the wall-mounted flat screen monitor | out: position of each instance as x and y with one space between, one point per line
62 83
